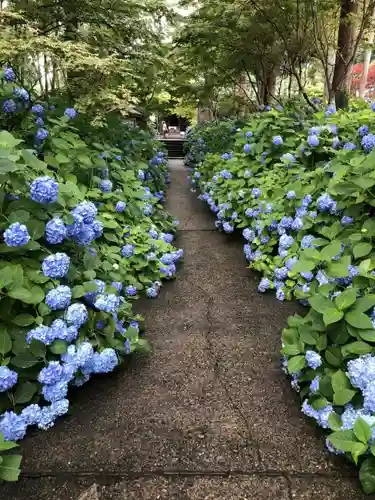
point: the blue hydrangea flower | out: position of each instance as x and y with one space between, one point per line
286 241
247 148
297 224
147 209
322 278
54 372
55 231
55 392
37 109
288 158
56 265
108 302
308 275
346 220
87 210
70 113
103 362
106 185
248 234
76 315
361 371
12 426
264 285
363 130
60 407
41 134
41 333
281 273
120 206
9 74
130 290
86 235
97 227
321 416
350 146
290 263
286 222
313 141
225 174
315 131
368 142
306 200
280 294
167 237
9 106
141 175
21 93
226 156
127 250
277 140
167 259
326 204
313 359
59 297
249 134
16 235
228 228
31 414
39 121
152 292
256 192
91 296
8 378
353 270
291 195
59 330
44 190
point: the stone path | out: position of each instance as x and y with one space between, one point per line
208 415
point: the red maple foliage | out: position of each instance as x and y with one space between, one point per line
357 74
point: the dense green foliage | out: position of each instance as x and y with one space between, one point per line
84 234
301 188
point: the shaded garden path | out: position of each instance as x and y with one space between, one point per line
210 398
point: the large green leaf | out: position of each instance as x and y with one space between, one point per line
362 430
10 467
320 303
358 320
362 249
343 396
25 392
303 266
340 381
346 298
332 316
367 475
331 250
5 341
343 440
296 364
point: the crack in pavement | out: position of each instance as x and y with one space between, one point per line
215 359
288 475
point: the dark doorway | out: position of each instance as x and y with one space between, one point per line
176 121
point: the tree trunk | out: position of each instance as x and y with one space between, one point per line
268 87
366 66
341 76
331 59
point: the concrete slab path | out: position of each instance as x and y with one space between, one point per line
208 415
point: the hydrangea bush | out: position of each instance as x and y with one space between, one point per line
84 234
301 188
